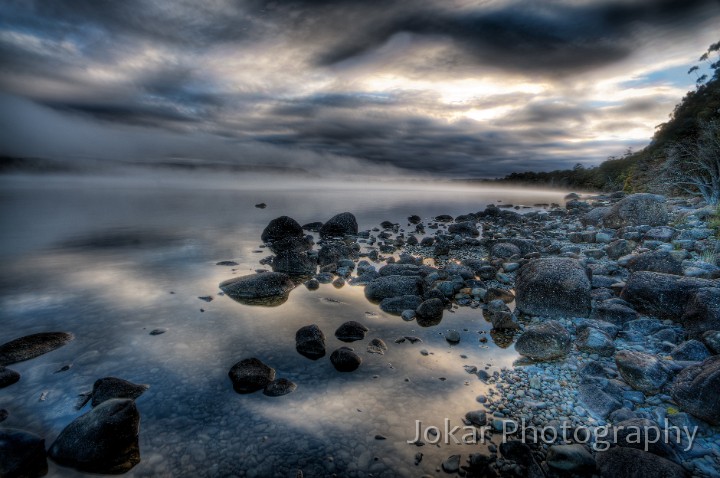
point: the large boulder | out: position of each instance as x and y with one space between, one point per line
250 375
623 462
22 454
697 390
393 286
281 228
267 288
641 371
339 225
556 287
637 210
31 346
547 341
294 263
656 261
661 295
702 312
310 342
104 440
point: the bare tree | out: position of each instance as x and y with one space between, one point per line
693 166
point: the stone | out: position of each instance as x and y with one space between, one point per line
22 454
333 252
662 234
573 458
618 248
504 250
392 286
250 375
636 210
656 261
661 295
294 263
555 287
279 387
616 314
595 341
623 462
451 464
643 434
281 228
641 371
345 359
104 440
547 341
452 336
396 305
8 377
431 309
466 228
339 225
596 401
108 388
696 389
377 346
702 312
351 331
31 346
691 350
477 418
310 342
711 339
267 288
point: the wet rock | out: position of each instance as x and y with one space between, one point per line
31 346
451 464
595 341
711 339
8 377
351 331
279 387
547 341
310 342
430 310
402 270
339 225
104 440
312 226
616 314
504 250
227 263
622 462
3 415
414 219
494 293
444 218
250 375
596 401
696 388
661 295
636 210
555 287
408 315
333 253
396 305
641 371
159 331
261 205
477 418
312 284
692 351
466 228
573 458
108 388
452 336
702 312
377 346
621 247
642 434
294 263
267 288
392 286
345 359
22 454
281 228
656 261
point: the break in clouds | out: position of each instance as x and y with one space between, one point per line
447 87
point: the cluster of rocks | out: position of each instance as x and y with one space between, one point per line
251 374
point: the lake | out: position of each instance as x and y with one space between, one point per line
112 258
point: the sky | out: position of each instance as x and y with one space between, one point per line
445 88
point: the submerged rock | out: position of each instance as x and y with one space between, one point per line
22 454
547 341
377 346
267 288
310 342
104 440
345 359
250 375
31 346
279 387
396 305
8 377
110 387
555 287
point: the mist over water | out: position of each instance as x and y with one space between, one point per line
110 258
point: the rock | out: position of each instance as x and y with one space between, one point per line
281 228
430 310
476 417
292 244
251 375
377 346
613 313
555 287
711 339
267 288
500 316
546 341
402 270
261 205
104 440
656 261
642 434
662 234
692 351
159 331
408 315
636 210
108 388
8 377
310 342
22 454
594 341
312 226
495 293
227 263
504 250
444 218
3 415
392 286
641 371
621 247
294 263
333 252
595 216
345 359
451 464
622 462
414 219
696 388
312 284
661 295
351 331
31 346
396 305
452 336
596 401
573 458
279 387
466 228
339 225
702 312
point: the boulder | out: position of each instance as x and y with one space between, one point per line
250 375
696 388
339 225
547 341
351 331
618 248
108 388
294 263
333 252
711 339
431 309
281 228
396 305
22 454
504 250
267 288
345 359
554 287
623 462
616 314
690 351
661 295
656 261
641 371
279 387
594 341
596 401
310 342
636 210
104 440
31 346
702 312
573 458
8 377
642 434
392 286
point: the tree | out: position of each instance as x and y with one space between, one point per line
693 165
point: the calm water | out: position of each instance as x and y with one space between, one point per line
112 259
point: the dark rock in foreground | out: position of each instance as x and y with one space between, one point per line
110 387
661 295
104 440
697 390
555 287
31 346
345 359
250 375
339 225
656 261
641 371
267 288
622 462
8 377
22 454
281 228
310 342
573 458
547 341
